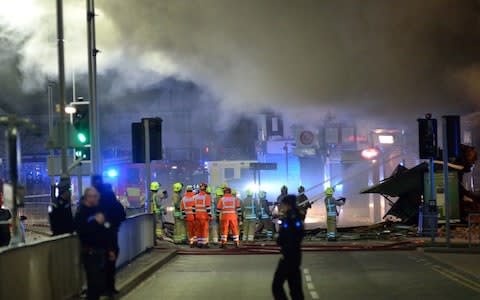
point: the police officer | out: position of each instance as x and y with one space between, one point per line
114 215
5 217
95 234
289 239
60 211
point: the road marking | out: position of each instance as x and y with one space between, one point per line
457 278
314 295
310 285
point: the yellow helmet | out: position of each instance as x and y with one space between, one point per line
177 187
219 192
249 193
189 188
154 186
329 191
209 190
262 194
224 186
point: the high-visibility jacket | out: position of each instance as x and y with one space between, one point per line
249 208
202 206
188 206
177 205
228 206
331 205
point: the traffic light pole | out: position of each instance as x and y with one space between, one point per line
445 181
92 83
148 170
61 89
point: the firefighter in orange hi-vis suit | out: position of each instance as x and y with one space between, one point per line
188 212
203 215
228 208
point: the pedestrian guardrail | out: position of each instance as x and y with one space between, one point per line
51 269
473 219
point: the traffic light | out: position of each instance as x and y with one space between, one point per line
81 124
427 137
138 140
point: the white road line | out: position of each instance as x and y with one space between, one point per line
310 286
306 271
314 295
308 278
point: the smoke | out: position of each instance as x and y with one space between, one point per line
352 57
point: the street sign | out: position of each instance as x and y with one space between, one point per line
263 166
306 137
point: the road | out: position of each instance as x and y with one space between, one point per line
326 275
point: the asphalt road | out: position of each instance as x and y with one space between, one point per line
327 275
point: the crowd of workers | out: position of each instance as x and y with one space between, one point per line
204 216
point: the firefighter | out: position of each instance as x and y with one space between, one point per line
283 193
228 209
203 215
214 224
331 205
302 203
265 215
188 213
249 215
179 232
156 206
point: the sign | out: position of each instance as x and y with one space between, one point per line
263 166
307 137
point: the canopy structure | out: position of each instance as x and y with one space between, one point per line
407 185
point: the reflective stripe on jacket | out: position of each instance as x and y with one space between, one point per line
188 206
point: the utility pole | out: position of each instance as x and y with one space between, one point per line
50 131
61 89
96 164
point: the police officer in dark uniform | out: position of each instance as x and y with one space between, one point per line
289 239
94 232
115 215
60 211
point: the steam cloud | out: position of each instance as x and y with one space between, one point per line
386 57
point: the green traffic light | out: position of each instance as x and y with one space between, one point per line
82 137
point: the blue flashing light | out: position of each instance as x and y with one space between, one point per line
112 173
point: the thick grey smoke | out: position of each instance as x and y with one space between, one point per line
396 58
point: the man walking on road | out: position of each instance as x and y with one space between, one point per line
289 239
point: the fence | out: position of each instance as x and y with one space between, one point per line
52 270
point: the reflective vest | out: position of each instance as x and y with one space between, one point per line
202 206
188 207
331 206
177 203
249 208
228 205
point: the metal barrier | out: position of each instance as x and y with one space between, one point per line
51 270
135 236
42 271
473 218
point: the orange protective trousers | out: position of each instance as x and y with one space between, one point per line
228 222
201 227
191 230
